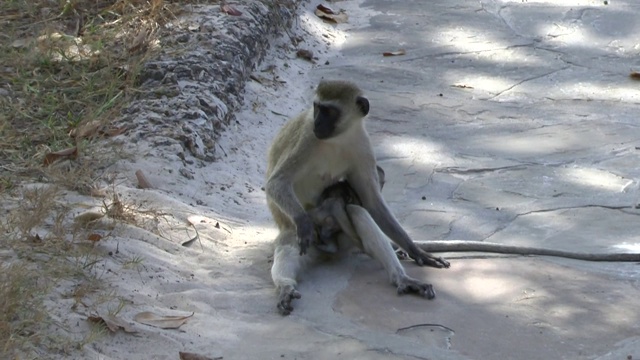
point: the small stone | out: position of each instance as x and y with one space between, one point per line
186 173
305 54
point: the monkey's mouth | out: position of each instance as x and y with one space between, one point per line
322 133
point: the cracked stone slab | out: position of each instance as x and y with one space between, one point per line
495 308
573 229
514 122
506 189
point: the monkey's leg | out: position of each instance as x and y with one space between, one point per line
287 263
377 245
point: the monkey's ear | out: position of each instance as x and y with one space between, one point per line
363 104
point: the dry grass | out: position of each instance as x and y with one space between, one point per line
36 255
67 67
22 311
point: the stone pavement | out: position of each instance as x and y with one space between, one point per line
517 121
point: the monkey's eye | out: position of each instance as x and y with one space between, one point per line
331 112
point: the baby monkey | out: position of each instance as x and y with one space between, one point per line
330 216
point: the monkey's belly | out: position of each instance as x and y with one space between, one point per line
308 190
313 181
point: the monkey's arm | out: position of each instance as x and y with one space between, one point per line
365 184
280 191
488 247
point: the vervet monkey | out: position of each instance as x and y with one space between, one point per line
319 147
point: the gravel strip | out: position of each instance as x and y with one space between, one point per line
190 91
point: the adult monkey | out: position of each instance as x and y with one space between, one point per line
313 150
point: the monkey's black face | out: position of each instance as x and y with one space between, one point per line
326 118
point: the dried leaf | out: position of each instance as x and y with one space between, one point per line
87 217
394 53
143 182
257 78
95 128
111 132
305 54
112 322
197 237
230 10
79 29
34 238
190 241
98 192
160 321
86 130
70 153
20 43
94 237
326 13
193 356
635 75
325 9
139 41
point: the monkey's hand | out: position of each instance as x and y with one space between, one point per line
407 285
306 232
422 257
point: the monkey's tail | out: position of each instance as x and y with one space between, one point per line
488 247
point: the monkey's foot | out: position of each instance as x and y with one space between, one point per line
421 257
407 285
287 295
